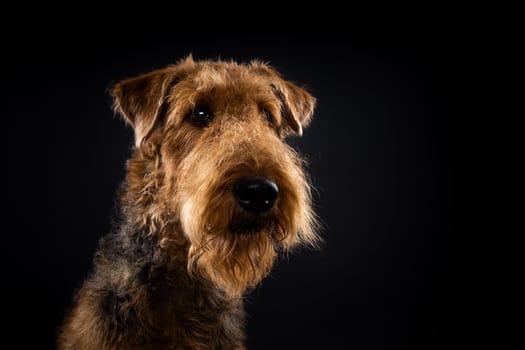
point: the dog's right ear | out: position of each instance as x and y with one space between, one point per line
141 100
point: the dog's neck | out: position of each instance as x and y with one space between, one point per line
167 298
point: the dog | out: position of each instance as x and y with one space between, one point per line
213 194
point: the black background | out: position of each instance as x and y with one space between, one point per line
378 151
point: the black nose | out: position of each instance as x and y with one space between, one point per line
256 195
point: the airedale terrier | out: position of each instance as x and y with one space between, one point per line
212 195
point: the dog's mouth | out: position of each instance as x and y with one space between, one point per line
251 225
246 227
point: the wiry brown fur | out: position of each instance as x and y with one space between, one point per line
173 272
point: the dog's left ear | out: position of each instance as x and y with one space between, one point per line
141 100
297 105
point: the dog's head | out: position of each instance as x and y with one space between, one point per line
209 155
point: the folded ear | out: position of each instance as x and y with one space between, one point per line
297 105
141 100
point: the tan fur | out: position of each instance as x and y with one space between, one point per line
178 200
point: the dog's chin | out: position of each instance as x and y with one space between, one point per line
237 257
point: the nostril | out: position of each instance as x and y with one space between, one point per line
256 195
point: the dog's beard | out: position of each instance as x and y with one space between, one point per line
234 261
233 248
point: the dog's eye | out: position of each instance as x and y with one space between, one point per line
267 115
201 115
